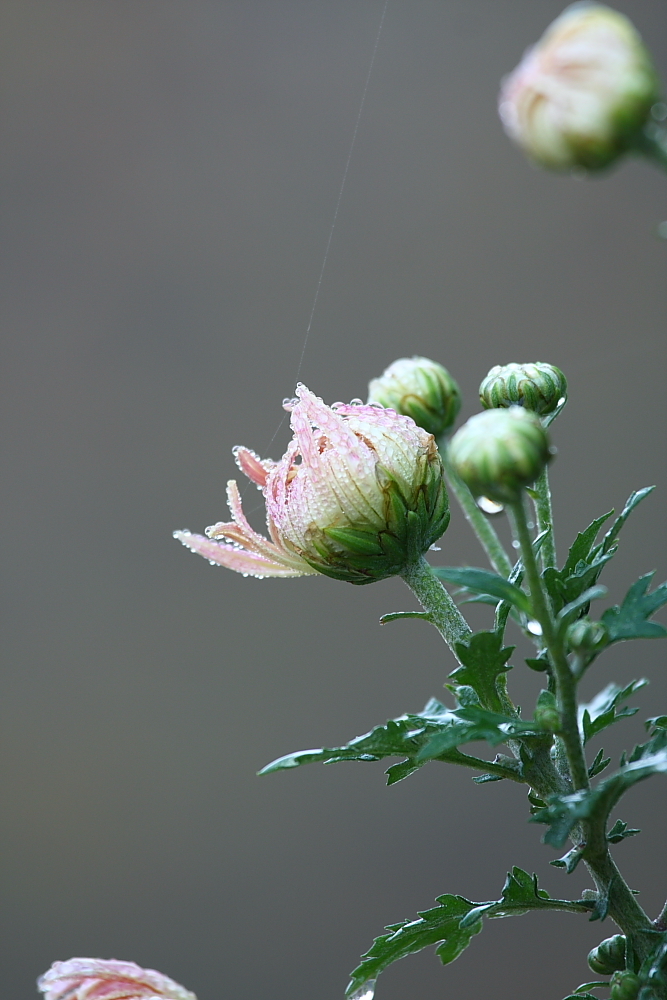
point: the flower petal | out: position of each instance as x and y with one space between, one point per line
240 560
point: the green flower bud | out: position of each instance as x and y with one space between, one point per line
547 715
538 387
625 986
421 389
498 452
609 956
586 636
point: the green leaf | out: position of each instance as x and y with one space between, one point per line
452 924
407 736
482 581
599 764
563 812
484 660
604 710
570 860
395 615
657 722
492 727
620 831
439 926
630 620
632 501
583 544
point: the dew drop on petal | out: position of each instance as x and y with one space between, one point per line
489 506
365 992
534 627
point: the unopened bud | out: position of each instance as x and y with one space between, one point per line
421 389
625 986
586 636
547 715
538 387
609 956
498 452
581 95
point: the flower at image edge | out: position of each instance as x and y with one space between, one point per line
108 979
357 496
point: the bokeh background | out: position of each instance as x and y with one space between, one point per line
170 172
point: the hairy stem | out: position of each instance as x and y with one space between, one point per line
623 906
483 529
434 599
566 685
544 515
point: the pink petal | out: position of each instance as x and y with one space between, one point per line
248 563
251 465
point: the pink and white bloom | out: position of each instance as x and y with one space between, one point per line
581 95
358 494
108 979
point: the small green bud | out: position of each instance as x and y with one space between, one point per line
609 956
547 715
586 636
421 389
538 387
498 452
625 986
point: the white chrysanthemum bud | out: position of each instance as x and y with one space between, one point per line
538 387
581 96
421 389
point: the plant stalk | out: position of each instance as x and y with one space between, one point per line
544 514
435 600
485 531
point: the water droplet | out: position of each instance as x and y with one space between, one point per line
516 544
365 992
356 401
531 525
560 401
489 506
534 627
289 404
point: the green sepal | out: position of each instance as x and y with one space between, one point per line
630 620
620 831
604 710
358 542
483 660
482 581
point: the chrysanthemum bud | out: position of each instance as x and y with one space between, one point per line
581 95
538 387
358 495
547 715
498 452
107 979
421 389
625 986
586 636
609 956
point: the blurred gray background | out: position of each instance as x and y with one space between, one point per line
170 171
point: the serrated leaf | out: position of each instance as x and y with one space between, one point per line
439 926
631 619
408 735
599 764
563 812
483 660
492 727
482 581
452 924
604 709
580 549
620 831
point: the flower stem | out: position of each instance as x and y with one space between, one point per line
435 600
483 529
543 512
566 685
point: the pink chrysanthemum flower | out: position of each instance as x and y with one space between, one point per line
580 95
358 495
108 979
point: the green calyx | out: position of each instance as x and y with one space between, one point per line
421 389
608 956
413 520
538 387
499 452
